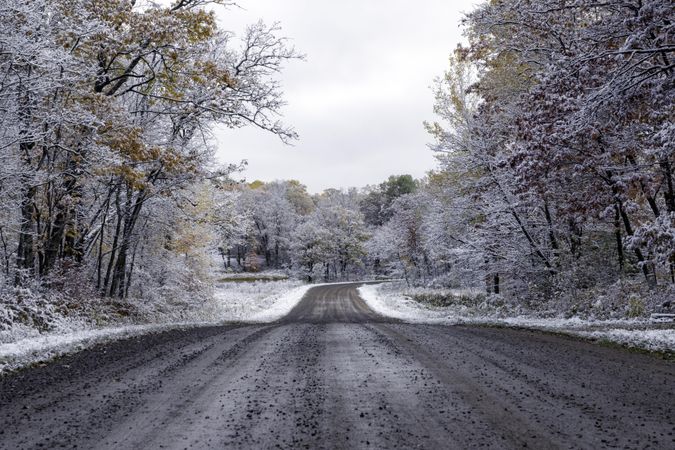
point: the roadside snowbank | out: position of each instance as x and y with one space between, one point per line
47 346
401 307
260 301
232 302
635 333
653 340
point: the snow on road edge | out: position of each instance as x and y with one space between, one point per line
282 305
630 333
653 340
26 351
23 352
400 308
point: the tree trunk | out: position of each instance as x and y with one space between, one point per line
268 258
669 194
130 272
575 238
618 238
132 212
647 268
113 250
99 259
5 251
551 232
25 255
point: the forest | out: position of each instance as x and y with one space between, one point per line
553 130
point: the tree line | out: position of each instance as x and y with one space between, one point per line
554 137
556 143
279 225
106 110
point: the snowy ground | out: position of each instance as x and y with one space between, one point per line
43 347
635 333
249 302
261 301
267 301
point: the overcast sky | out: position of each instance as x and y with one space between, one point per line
359 99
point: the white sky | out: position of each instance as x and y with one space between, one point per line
359 99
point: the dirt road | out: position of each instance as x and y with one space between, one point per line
333 374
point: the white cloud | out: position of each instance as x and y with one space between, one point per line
359 99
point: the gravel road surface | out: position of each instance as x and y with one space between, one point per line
333 374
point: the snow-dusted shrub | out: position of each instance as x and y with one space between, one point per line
636 307
446 297
34 309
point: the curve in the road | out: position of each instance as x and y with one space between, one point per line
333 303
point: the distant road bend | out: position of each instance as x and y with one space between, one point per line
333 374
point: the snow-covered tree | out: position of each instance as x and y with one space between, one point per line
554 141
105 111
